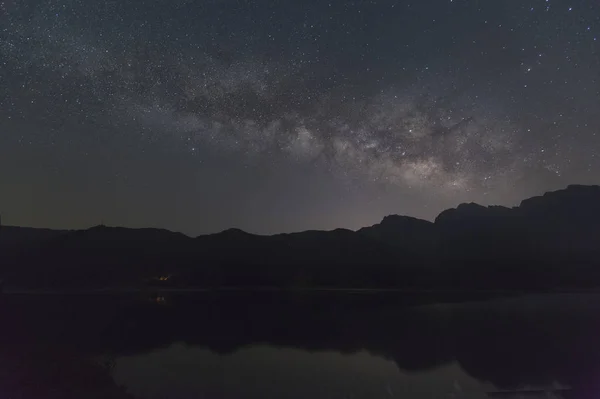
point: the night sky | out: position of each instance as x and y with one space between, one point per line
279 116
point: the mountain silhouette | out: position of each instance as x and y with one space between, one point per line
404 231
547 242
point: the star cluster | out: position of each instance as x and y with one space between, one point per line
438 101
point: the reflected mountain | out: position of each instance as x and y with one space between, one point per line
511 343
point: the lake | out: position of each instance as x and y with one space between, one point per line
276 345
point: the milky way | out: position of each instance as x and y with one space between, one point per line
384 106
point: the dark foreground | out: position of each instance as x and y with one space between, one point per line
277 345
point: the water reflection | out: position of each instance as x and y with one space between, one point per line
275 346
181 371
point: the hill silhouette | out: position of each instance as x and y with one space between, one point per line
547 242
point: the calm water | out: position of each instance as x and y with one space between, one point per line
297 346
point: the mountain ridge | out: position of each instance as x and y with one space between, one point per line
572 188
522 245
